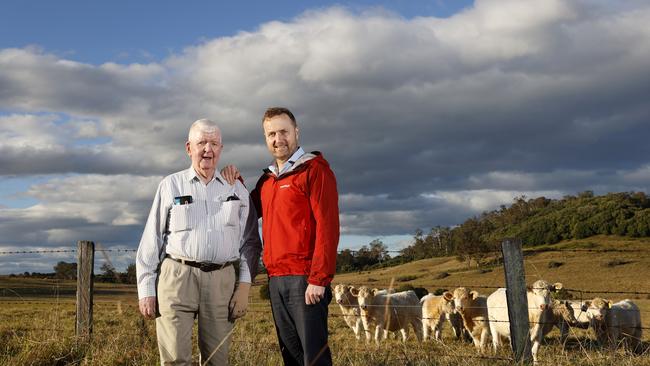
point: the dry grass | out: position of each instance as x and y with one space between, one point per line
37 317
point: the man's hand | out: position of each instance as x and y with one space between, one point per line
314 294
148 307
230 173
239 301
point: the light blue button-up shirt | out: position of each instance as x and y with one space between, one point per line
292 160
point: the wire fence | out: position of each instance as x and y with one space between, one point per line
263 308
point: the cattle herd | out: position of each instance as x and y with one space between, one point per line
474 317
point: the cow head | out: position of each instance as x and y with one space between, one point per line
463 298
365 296
544 289
564 309
448 302
343 294
597 308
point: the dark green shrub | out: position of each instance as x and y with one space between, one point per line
440 275
406 278
617 262
439 291
420 291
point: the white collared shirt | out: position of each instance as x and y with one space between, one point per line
209 229
292 160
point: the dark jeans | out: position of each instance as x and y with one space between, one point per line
301 328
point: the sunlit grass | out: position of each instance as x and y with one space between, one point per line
37 318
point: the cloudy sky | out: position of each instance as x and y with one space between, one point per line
428 111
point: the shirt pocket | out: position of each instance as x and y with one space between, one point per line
182 218
230 212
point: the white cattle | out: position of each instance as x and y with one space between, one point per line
614 323
435 309
368 327
390 311
539 298
472 308
350 308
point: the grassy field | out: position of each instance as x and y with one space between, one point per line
37 316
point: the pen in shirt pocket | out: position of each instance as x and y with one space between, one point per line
183 200
232 196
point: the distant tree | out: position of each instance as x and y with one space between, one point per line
65 270
108 273
441 239
345 261
131 274
372 255
470 241
436 243
581 230
378 251
586 195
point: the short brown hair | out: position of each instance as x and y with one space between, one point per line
277 111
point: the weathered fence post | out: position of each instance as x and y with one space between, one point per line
85 265
513 264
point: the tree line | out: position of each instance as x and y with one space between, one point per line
537 221
534 221
68 271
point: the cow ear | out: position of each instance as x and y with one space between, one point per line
448 296
473 295
585 305
558 286
374 291
354 291
609 304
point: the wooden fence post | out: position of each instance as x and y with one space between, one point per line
513 263
85 265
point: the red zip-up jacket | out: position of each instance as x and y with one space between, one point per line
300 220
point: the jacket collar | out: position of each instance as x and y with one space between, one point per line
296 165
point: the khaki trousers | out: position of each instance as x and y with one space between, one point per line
186 293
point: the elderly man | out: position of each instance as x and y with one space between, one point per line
199 227
298 202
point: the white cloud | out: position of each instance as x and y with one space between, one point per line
482 200
424 121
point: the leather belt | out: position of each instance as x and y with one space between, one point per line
203 266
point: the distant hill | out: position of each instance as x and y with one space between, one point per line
547 221
535 221
599 263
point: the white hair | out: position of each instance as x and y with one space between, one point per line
203 125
